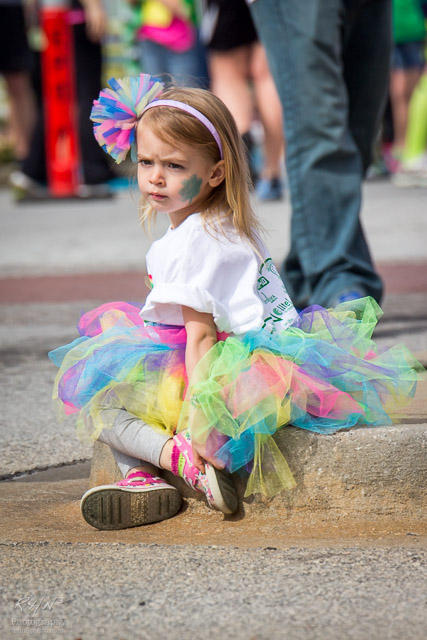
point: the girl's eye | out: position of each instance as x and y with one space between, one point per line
173 165
145 163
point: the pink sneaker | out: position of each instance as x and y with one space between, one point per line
216 484
138 499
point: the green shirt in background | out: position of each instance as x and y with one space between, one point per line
408 21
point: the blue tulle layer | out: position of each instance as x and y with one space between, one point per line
323 374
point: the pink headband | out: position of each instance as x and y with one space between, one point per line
194 112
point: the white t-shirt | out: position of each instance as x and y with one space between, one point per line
212 273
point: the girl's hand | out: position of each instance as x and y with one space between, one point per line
200 457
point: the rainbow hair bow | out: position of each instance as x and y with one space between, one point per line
116 112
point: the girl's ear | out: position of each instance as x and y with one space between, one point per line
218 174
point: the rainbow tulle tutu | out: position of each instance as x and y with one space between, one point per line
323 374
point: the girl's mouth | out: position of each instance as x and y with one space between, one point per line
157 196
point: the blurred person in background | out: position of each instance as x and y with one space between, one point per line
15 66
89 22
412 171
407 63
330 60
168 41
240 76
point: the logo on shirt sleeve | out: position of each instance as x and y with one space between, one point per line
278 307
149 281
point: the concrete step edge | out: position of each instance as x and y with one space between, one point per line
361 472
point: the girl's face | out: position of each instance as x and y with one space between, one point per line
174 179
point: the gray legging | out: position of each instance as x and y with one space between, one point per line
132 441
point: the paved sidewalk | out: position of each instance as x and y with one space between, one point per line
52 238
59 258
343 559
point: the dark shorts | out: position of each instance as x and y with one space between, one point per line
232 26
409 55
14 51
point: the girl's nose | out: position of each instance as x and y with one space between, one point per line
156 175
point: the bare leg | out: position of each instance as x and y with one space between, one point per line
402 84
166 455
229 72
270 111
22 110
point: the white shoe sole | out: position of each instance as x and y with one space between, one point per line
222 488
110 507
408 180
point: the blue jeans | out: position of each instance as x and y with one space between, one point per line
330 60
188 68
408 55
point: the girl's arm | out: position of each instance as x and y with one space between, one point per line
201 336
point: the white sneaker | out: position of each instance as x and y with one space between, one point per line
412 173
25 188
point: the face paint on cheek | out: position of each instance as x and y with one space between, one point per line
190 188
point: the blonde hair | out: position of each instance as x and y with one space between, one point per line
230 200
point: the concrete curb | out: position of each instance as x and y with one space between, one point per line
362 473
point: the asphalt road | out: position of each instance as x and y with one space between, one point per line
157 592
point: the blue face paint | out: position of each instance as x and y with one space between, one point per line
190 188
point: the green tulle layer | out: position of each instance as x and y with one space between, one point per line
323 375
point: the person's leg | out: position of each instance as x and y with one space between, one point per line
152 59
402 84
188 68
328 252
142 497
416 135
140 450
413 168
366 57
270 110
202 69
140 445
96 164
125 463
22 110
15 66
407 67
229 73
34 164
138 442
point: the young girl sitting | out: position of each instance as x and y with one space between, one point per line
198 381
